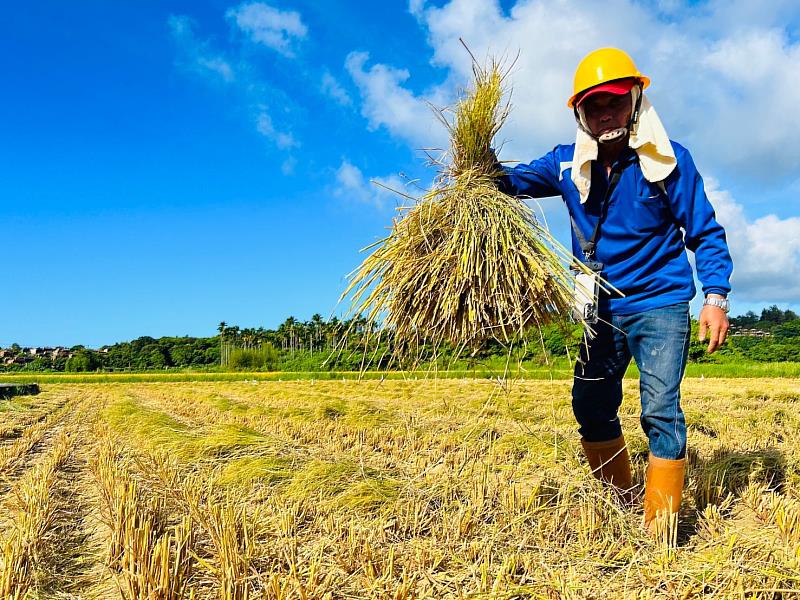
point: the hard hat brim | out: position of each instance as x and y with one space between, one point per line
617 87
612 87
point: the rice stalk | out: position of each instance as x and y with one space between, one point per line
11 455
232 532
32 512
466 263
481 506
151 558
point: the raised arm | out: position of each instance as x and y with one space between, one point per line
538 179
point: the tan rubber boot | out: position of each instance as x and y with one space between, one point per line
662 493
610 462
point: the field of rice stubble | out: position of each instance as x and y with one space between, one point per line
455 488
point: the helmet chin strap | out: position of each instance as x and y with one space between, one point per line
609 137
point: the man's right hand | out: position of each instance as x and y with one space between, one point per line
713 321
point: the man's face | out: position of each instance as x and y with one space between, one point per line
605 112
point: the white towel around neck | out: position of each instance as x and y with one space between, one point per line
651 143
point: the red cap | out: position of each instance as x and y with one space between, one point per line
616 87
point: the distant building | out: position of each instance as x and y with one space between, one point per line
745 332
17 360
28 354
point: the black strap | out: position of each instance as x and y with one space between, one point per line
589 246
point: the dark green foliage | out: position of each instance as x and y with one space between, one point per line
153 356
788 330
771 318
561 339
772 337
775 316
40 363
82 361
748 320
319 346
698 351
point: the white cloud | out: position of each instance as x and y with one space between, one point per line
732 16
724 73
350 182
386 103
198 56
754 118
724 80
269 26
380 192
195 55
669 7
264 126
332 88
416 7
766 251
288 165
217 65
551 37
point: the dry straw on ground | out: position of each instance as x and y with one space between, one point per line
465 263
363 489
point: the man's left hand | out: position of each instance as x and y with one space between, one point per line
714 322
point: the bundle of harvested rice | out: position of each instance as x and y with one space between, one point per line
467 262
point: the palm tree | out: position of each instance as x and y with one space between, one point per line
291 327
281 335
317 324
222 328
332 334
248 337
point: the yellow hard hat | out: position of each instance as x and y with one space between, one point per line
601 66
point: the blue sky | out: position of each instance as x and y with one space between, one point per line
168 165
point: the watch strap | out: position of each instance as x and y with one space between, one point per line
722 303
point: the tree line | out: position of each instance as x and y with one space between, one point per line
316 344
320 344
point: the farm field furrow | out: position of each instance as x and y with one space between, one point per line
29 537
19 414
387 489
33 426
81 569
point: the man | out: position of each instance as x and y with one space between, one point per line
637 203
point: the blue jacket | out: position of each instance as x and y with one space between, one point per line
640 244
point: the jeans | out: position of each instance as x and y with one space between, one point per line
658 340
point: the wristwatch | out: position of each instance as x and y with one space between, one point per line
719 303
